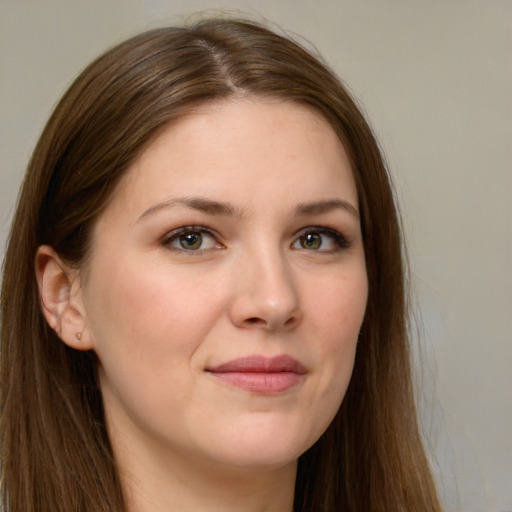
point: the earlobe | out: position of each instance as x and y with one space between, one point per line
61 298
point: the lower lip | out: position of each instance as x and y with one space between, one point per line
264 383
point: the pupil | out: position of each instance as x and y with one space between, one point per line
311 241
191 241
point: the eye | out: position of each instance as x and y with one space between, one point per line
320 239
191 239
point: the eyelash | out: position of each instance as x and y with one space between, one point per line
175 235
341 241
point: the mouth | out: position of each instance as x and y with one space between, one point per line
260 375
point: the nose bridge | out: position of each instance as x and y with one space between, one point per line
266 293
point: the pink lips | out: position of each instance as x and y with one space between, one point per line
259 374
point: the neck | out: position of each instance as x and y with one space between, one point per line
209 489
178 483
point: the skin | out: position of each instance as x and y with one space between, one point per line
267 280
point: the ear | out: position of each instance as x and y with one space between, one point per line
60 294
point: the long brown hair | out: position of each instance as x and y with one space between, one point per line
56 454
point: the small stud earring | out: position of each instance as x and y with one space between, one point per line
78 336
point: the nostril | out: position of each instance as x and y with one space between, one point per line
290 321
261 322
255 320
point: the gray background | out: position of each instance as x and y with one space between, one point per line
435 78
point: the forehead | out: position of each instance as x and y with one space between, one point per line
231 149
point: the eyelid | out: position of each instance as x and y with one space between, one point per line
341 240
169 237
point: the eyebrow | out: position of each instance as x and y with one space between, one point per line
195 203
212 207
326 206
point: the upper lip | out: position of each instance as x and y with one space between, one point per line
260 364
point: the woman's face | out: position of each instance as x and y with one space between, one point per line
226 288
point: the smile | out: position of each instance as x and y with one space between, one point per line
260 375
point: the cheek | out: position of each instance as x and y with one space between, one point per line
339 306
147 321
338 312
144 303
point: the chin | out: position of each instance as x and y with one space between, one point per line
264 446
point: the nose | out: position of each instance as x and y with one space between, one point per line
265 294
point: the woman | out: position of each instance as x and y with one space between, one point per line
216 319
